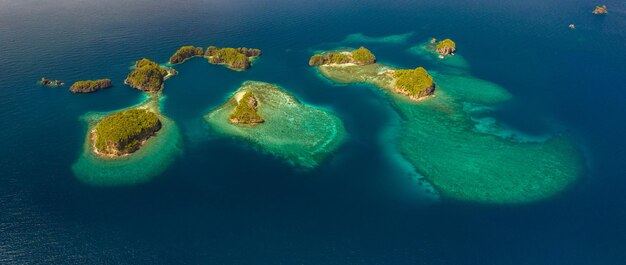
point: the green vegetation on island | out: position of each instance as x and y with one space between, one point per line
246 110
185 53
234 58
88 86
148 76
124 132
446 47
360 56
460 155
600 10
415 84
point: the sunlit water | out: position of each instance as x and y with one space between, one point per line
363 204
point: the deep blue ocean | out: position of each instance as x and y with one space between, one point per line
358 207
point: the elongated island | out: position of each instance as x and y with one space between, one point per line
238 59
276 122
88 86
464 156
360 66
185 53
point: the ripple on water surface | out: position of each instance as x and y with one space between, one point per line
439 138
149 161
301 134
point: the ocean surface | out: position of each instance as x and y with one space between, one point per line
364 204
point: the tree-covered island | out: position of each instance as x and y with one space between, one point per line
184 53
124 132
88 86
360 66
360 56
246 110
446 47
148 76
415 84
234 58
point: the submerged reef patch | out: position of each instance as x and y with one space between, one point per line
438 137
301 134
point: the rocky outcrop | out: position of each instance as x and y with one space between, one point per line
47 82
446 47
89 86
600 10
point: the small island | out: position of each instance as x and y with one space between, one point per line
185 53
238 59
51 83
279 124
414 84
89 86
124 132
600 10
246 110
148 76
360 56
446 47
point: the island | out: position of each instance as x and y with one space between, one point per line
600 10
129 146
360 56
238 59
446 47
148 76
185 53
88 86
447 142
360 66
51 83
246 110
279 124
416 84
124 132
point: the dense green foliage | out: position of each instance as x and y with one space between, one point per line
90 85
235 58
414 83
363 56
148 76
446 44
185 53
123 131
246 110
360 56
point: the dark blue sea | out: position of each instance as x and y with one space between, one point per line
358 207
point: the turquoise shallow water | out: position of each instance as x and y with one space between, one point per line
469 158
148 162
363 204
302 135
